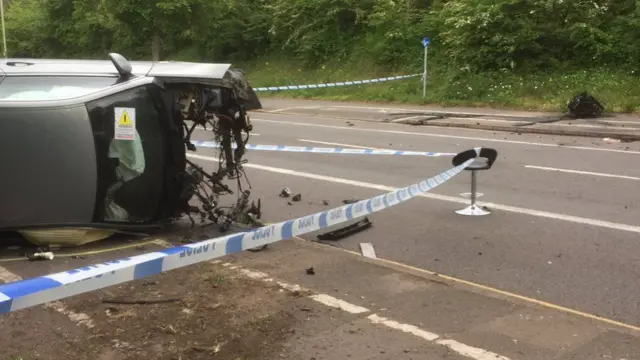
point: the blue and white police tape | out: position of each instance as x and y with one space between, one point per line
36 291
336 84
323 150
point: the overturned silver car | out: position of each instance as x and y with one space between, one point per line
92 147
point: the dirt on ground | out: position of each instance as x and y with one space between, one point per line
204 311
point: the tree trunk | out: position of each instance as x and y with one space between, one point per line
155 46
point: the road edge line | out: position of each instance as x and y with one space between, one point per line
504 293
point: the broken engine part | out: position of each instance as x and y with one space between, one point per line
286 192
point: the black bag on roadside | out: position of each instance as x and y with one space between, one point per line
584 105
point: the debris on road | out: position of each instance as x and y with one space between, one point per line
286 192
367 250
297 197
255 210
350 201
584 105
325 202
42 256
611 140
311 271
346 231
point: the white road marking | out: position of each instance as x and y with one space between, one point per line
7 276
339 304
291 288
470 351
468 194
582 172
339 144
257 275
345 128
367 250
79 318
327 300
411 329
429 195
294 108
407 118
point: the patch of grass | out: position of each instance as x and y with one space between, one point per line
617 90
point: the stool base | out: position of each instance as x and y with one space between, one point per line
473 210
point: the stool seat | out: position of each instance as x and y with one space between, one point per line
483 159
479 164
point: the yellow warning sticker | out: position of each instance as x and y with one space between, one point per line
125 123
125 120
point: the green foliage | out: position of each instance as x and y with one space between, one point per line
530 35
231 29
551 91
318 29
486 45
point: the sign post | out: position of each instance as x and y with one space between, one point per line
425 43
4 36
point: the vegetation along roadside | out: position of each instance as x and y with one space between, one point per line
534 54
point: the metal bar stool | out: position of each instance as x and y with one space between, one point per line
484 159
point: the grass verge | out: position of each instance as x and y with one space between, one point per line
617 90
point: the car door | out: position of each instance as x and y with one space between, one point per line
130 151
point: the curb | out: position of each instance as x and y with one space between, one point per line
528 130
522 130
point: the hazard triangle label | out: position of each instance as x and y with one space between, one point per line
125 123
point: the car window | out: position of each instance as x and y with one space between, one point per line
38 88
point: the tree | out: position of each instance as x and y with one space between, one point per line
158 21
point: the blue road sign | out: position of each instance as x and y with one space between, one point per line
426 41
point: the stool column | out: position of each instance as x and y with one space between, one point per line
473 187
473 209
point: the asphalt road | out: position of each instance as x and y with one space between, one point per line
570 238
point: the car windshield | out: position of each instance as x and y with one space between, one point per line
39 88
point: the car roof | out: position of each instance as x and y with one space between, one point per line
74 67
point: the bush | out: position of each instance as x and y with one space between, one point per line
479 44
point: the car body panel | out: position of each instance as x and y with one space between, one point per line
176 69
48 167
142 71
